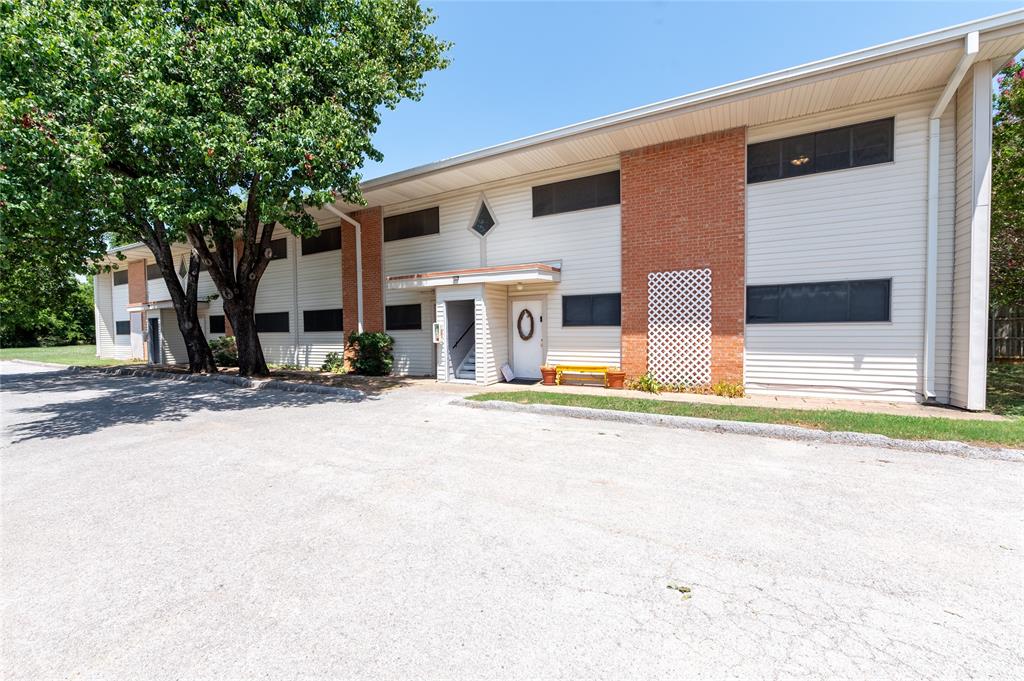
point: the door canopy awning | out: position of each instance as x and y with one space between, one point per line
201 305
525 273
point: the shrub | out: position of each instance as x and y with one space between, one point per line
225 351
727 389
372 353
646 383
335 363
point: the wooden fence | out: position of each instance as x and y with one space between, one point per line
1006 333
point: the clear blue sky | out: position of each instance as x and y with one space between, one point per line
525 67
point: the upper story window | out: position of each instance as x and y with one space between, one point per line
601 309
402 317
851 146
576 194
409 225
120 277
153 272
326 240
279 249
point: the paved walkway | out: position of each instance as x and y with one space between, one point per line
161 529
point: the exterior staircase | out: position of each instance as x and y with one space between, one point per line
467 367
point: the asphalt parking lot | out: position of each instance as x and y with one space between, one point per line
158 529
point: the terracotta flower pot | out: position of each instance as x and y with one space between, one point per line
616 379
547 375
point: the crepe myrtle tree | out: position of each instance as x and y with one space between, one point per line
283 98
217 121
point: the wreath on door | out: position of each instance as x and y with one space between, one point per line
525 314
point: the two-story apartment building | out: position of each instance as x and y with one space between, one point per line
821 230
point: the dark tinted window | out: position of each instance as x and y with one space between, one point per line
120 277
216 323
327 240
279 248
402 317
272 322
603 309
484 221
820 302
409 225
322 320
122 328
847 147
153 272
577 194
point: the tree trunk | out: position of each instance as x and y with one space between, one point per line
200 357
251 361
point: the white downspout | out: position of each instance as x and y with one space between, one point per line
971 42
359 264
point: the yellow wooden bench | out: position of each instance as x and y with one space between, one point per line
581 369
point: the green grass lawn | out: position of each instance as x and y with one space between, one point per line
1007 433
82 355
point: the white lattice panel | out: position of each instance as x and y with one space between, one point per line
679 326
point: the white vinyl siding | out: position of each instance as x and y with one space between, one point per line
276 293
156 289
106 345
860 223
414 349
586 243
172 343
119 296
491 334
319 288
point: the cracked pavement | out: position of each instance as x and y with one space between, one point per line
161 529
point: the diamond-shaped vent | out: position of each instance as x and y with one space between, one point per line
484 221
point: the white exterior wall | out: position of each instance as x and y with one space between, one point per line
414 351
119 297
319 288
586 243
172 343
276 293
860 223
156 289
104 314
969 327
491 334
444 370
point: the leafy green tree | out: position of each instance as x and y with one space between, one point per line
62 316
1007 283
212 122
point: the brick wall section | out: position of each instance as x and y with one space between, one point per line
683 207
372 237
136 282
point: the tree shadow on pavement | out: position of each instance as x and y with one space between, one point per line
88 402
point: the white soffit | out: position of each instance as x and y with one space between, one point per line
903 67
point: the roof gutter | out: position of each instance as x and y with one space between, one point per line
971 45
359 263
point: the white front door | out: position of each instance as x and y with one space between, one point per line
527 338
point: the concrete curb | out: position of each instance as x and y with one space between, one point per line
782 432
32 363
237 381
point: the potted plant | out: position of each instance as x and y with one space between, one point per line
547 374
616 378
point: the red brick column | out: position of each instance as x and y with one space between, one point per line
136 282
683 207
372 237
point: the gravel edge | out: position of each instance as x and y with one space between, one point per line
776 431
237 381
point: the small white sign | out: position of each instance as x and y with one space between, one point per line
506 371
438 332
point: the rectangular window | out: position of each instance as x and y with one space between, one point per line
217 323
120 277
279 248
272 322
153 272
821 302
576 194
326 240
122 328
402 317
409 225
322 320
602 309
848 147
